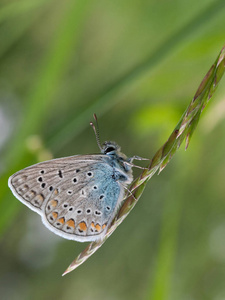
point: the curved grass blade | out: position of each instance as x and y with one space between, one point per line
183 130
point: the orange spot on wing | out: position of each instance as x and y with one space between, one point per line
55 215
104 226
56 191
32 193
83 226
92 225
39 197
97 227
54 203
61 220
71 223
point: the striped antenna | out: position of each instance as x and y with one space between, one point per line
96 131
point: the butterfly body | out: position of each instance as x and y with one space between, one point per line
77 196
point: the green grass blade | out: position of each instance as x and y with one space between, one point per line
40 99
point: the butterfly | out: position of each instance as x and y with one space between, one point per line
77 196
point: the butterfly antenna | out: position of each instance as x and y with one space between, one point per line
96 131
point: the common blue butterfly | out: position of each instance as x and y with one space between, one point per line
77 196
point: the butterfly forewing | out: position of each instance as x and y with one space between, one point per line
76 196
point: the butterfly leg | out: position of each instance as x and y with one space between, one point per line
136 157
135 166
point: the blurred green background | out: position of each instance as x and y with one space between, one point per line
136 64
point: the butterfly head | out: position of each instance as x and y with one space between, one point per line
110 148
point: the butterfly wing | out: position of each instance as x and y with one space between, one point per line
76 196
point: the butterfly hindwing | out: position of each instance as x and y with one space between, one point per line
76 196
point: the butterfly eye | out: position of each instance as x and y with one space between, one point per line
109 149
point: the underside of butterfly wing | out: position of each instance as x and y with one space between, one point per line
77 196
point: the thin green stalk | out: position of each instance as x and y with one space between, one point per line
164 261
53 67
40 99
